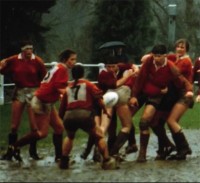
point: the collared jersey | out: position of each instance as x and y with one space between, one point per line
80 96
184 64
151 79
196 72
25 73
55 79
107 80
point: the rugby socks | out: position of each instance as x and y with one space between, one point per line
64 162
111 141
131 137
163 140
112 132
120 141
27 139
57 141
12 138
33 150
144 139
87 150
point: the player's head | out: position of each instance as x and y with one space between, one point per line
182 47
68 57
159 53
27 48
111 64
77 72
159 49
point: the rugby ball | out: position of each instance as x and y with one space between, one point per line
110 98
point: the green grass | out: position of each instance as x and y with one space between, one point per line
189 121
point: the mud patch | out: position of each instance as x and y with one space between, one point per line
47 170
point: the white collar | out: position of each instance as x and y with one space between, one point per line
184 56
163 65
20 56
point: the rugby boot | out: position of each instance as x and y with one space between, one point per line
165 152
33 151
119 158
8 155
142 156
120 141
109 164
169 149
12 138
64 162
144 139
160 155
131 149
182 146
16 154
85 154
165 146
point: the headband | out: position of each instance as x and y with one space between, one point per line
27 47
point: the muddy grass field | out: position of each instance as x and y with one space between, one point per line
47 170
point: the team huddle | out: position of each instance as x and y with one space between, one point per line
162 87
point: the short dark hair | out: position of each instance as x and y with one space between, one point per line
64 55
159 49
77 72
110 60
26 42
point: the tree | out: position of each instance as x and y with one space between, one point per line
128 21
20 19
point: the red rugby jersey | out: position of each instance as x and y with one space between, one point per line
107 80
196 72
81 96
184 64
151 80
25 73
55 79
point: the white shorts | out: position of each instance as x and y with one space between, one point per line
124 93
39 107
24 95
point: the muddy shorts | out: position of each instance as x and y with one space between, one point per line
79 118
40 107
188 101
124 93
23 95
155 101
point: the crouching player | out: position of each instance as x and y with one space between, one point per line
76 110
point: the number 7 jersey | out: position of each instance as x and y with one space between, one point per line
80 96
